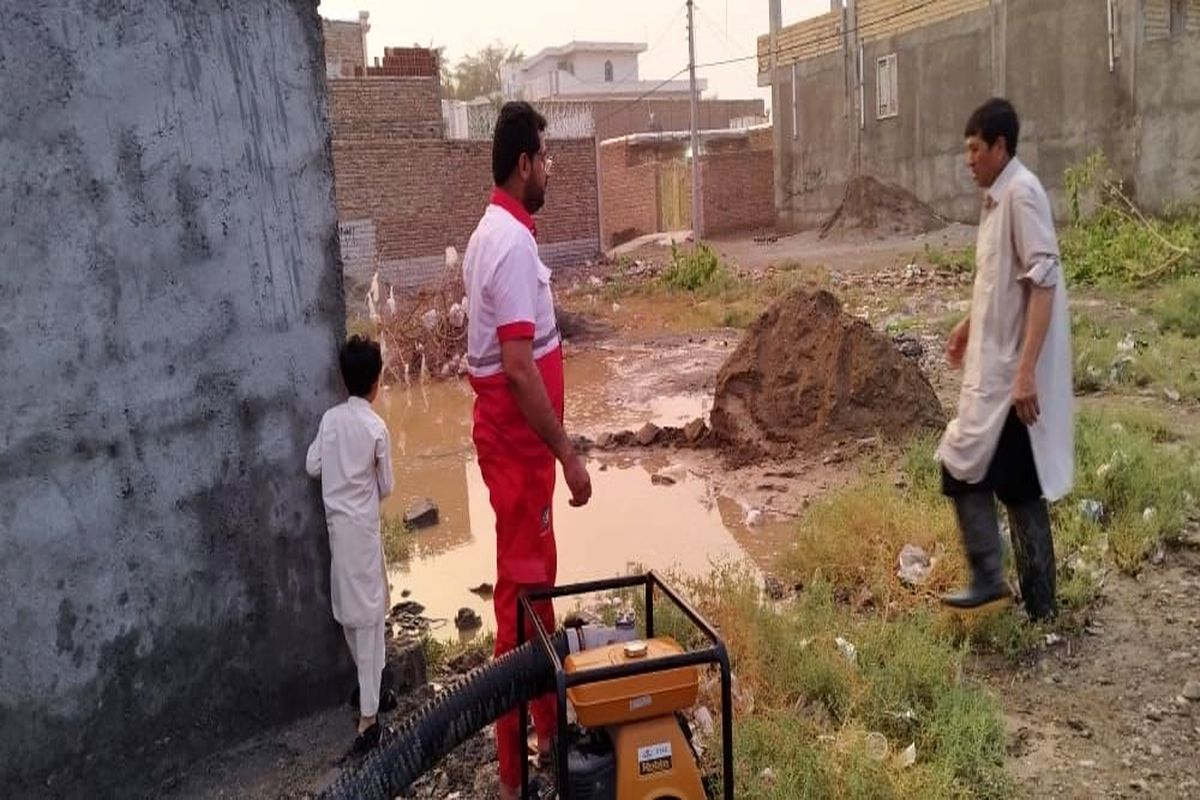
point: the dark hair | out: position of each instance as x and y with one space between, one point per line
994 119
517 130
361 362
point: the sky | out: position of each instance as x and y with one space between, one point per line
725 29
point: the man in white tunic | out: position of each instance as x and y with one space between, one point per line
1013 437
352 457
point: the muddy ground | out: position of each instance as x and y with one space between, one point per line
1097 714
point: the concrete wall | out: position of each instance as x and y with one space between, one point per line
1050 59
172 303
589 67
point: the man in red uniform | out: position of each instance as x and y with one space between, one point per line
514 355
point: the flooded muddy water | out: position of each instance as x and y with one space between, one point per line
630 520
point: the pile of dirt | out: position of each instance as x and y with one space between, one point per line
807 376
881 208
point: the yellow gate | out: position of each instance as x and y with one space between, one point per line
674 196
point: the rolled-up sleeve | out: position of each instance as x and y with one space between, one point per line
1034 238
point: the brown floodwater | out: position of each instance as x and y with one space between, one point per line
629 522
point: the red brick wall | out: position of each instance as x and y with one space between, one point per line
344 46
628 193
739 193
374 108
426 194
737 180
739 186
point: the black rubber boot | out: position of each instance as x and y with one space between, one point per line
1033 550
980 527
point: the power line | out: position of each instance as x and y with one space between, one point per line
666 30
640 97
808 43
829 38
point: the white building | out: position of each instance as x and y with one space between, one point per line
586 70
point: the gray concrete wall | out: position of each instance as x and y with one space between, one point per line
1166 161
172 300
1050 59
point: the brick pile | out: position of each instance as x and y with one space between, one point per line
403 62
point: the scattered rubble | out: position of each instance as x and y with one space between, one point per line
467 620
422 514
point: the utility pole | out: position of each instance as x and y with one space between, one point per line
781 154
697 222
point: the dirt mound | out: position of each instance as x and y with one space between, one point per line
872 206
807 375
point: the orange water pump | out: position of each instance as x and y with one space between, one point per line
630 740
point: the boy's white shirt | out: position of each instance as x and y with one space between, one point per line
352 456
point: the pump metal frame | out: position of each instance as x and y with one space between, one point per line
714 653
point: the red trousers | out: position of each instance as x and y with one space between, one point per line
509 747
520 472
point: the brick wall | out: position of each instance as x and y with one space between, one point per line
736 176
375 108
739 193
422 195
343 47
628 192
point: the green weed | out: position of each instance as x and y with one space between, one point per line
397 539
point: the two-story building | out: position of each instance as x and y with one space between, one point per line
586 70
884 88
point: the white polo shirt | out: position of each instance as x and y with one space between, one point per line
508 287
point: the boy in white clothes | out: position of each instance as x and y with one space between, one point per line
352 457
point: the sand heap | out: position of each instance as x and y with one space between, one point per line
807 375
881 208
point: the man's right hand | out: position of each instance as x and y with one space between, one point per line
956 347
578 480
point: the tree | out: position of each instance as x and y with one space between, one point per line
444 73
478 74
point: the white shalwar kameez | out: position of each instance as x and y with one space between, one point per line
1016 245
352 456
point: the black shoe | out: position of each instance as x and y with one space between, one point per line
975 596
367 740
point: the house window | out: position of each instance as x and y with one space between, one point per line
566 66
887 87
608 72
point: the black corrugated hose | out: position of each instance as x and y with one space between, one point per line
446 721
